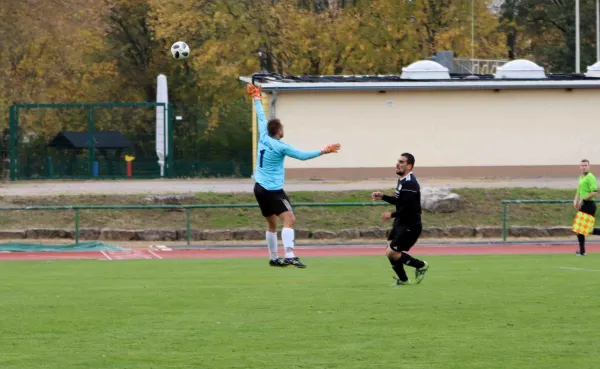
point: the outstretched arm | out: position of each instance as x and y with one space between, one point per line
255 93
260 118
295 153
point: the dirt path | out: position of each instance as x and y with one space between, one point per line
49 188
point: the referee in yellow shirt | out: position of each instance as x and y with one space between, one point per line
584 199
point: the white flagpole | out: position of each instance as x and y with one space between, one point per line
597 30
577 46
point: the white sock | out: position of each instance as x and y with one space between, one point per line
272 244
287 236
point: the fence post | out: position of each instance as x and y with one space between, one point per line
77 226
170 159
90 141
13 139
50 167
187 225
504 221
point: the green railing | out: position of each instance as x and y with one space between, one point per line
505 204
187 209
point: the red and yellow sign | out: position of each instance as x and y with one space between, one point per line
583 224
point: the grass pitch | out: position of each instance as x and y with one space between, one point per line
522 311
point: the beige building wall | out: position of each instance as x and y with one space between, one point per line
450 132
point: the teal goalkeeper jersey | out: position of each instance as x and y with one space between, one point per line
270 171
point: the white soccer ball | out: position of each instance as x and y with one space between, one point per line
180 50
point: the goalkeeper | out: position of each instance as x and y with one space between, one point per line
269 177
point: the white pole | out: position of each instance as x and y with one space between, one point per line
472 32
597 30
577 56
162 96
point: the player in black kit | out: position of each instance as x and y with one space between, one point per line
407 221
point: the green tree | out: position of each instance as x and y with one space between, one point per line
544 31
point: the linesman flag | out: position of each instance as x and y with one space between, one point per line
583 223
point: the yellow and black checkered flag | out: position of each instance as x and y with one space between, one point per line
583 224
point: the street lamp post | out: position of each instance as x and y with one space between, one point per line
577 46
597 30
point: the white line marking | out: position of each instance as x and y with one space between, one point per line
106 255
155 254
584 269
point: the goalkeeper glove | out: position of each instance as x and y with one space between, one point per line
330 148
254 91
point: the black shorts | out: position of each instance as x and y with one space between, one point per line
589 207
404 237
271 202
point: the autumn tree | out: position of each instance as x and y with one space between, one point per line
43 55
450 25
112 50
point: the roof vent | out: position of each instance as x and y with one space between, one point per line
425 69
593 71
521 68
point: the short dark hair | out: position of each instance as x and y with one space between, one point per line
585 161
410 159
273 126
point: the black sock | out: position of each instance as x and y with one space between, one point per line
410 261
399 269
581 239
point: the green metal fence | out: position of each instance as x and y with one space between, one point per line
83 141
505 204
33 146
187 208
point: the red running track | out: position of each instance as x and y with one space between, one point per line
301 251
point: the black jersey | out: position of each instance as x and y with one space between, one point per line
407 199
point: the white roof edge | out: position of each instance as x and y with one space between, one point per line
442 84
